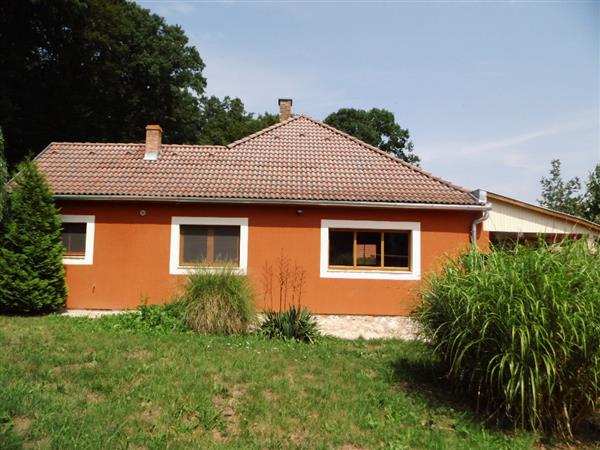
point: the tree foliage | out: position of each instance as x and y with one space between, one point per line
31 269
93 70
377 127
561 195
225 121
592 196
3 181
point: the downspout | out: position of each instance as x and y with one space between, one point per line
476 222
481 196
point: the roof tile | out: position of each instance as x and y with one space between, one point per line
299 159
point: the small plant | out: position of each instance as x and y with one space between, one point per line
218 302
282 283
294 323
162 318
520 330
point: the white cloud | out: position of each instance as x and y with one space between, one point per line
510 147
513 165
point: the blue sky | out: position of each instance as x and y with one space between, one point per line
490 91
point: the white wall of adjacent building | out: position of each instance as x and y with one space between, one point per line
508 218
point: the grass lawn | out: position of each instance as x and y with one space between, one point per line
67 383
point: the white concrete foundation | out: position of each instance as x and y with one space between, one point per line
368 327
342 326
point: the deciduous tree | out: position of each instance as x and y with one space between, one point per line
225 121
561 195
592 196
93 70
377 127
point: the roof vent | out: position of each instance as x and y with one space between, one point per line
285 109
153 142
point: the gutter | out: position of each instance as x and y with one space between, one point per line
453 207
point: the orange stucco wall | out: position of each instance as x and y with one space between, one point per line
131 253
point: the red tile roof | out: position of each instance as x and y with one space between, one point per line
299 159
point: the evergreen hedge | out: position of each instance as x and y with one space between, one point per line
31 251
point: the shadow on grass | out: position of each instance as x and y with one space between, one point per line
424 377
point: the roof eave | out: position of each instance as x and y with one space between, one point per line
267 201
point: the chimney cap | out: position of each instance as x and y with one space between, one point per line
285 100
154 127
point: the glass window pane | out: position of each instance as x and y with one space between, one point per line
226 245
194 245
368 248
396 248
340 248
73 238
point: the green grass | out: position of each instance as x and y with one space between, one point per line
71 383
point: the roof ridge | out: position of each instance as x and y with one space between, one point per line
388 155
263 131
196 145
94 143
123 144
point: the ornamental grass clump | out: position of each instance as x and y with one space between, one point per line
218 302
519 329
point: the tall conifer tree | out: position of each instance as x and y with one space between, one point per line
31 270
3 180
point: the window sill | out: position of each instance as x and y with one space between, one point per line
186 270
76 260
370 274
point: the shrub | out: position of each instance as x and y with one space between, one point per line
31 269
218 302
161 318
520 331
293 323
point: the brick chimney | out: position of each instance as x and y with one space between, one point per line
153 142
285 109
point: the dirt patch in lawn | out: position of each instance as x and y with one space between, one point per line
150 413
40 443
228 406
94 397
139 354
74 367
22 424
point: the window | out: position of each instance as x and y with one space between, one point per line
211 242
73 238
212 246
365 249
78 239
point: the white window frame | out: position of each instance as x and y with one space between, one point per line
88 257
372 274
176 269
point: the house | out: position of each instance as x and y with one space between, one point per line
362 227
